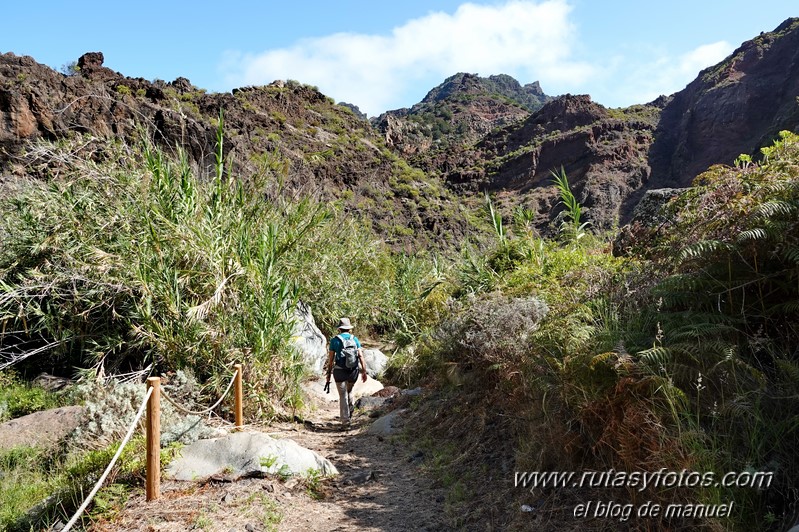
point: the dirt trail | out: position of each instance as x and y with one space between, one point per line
380 487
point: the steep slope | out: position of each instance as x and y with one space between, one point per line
461 110
734 107
286 129
408 170
612 156
603 151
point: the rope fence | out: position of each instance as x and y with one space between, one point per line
105 474
152 404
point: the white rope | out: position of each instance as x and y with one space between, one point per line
201 412
111 465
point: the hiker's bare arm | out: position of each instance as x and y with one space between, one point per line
363 365
329 365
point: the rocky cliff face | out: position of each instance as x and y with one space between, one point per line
409 169
735 107
613 156
463 109
603 152
318 147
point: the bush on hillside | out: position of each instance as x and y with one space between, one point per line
126 264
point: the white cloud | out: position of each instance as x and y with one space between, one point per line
665 75
530 40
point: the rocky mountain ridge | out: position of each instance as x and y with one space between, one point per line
286 130
408 171
734 107
461 110
613 156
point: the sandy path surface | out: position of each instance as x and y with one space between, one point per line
381 487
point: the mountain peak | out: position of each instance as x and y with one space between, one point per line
529 96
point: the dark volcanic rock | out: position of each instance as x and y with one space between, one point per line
612 156
323 149
602 153
735 107
471 133
461 110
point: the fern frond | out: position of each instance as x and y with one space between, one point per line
791 254
738 407
655 356
704 248
787 307
775 208
758 233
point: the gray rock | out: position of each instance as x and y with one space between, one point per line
41 429
371 403
245 454
363 389
649 211
309 340
387 424
375 361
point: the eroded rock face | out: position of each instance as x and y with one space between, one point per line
731 108
470 133
604 156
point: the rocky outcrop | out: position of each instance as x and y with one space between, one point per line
603 154
286 128
734 107
461 110
309 340
529 96
244 454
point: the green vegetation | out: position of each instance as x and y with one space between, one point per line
18 398
554 353
571 229
146 264
42 485
682 356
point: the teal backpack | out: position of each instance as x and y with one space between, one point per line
347 357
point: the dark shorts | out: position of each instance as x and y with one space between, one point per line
343 374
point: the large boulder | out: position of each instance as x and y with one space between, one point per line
309 340
376 362
244 454
41 429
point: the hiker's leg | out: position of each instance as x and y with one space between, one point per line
343 401
350 406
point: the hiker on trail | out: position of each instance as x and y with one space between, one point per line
344 362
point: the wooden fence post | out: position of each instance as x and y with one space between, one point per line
153 425
239 393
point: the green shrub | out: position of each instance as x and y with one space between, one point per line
19 399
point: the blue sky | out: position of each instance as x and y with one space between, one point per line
381 55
